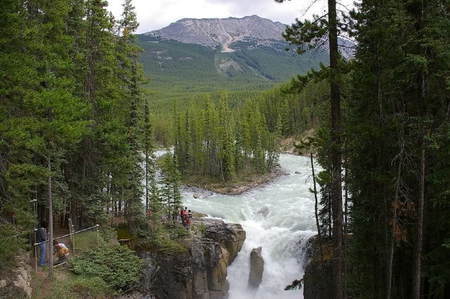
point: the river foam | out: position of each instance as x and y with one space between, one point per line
278 216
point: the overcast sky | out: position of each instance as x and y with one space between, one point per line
157 14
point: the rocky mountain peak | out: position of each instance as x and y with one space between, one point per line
222 32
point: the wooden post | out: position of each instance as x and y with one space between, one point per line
98 237
50 223
71 235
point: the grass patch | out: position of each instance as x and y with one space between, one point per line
163 238
77 287
66 285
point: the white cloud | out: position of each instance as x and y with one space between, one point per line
156 14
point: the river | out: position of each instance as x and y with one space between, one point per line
282 232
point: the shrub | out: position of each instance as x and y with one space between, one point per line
85 241
162 239
80 287
117 265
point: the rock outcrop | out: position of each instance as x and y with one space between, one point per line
222 32
18 283
201 271
230 236
318 278
256 268
264 211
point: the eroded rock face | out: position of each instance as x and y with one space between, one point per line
200 272
230 236
317 281
222 32
18 283
175 275
256 268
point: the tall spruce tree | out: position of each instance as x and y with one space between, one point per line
45 118
226 142
307 34
18 174
398 110
170 185
58 113
130 74
151 186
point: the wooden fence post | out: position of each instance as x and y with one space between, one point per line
71 233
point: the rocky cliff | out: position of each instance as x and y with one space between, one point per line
318 278
222 32
18 282
199 273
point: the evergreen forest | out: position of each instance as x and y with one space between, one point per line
82 126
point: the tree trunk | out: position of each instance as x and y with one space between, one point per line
336 193
315 208
390 259
419 232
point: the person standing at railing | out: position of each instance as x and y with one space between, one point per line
41 238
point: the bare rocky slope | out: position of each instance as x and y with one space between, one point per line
223 32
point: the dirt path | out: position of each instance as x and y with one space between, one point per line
42 284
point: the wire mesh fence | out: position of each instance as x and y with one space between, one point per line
77 241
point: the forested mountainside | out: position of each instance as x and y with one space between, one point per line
233 54
197 67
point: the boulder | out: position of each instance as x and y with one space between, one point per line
264 211
256 268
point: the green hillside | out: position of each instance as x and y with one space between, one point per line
178 68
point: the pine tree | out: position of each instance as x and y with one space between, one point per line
170 186
396 108
226 151
17 171
151 187
131 76
308 33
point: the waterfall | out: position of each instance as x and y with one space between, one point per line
279 217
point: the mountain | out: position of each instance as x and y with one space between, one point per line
232 53
223 32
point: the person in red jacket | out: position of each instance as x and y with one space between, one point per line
184 214
188 223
